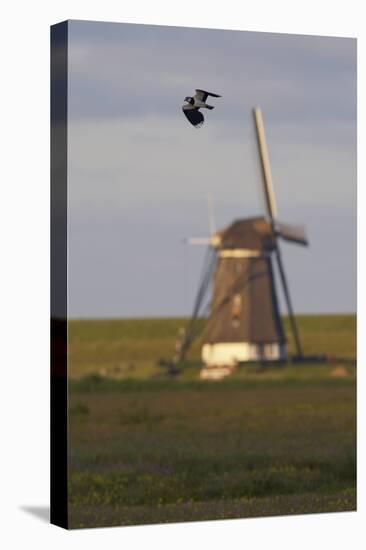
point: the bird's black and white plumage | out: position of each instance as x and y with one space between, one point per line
192 105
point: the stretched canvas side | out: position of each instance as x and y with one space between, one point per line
59 514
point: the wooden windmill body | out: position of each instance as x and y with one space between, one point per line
244 322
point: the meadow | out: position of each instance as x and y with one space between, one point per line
149 448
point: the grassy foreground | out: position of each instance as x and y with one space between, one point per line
155 450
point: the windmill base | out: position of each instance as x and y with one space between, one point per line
229 354
214 372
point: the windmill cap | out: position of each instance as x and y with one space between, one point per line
250 233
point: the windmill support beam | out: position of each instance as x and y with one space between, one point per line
292 318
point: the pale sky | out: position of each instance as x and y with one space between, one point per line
139 173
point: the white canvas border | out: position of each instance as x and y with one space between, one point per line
25 273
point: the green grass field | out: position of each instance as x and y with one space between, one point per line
145 448
132 348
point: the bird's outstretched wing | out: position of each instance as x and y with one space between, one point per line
195 117
202 95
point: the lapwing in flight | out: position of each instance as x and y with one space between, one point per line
192 105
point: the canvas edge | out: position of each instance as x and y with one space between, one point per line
58 268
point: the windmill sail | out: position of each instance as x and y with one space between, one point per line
265 165
292 233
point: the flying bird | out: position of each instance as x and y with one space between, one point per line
192 105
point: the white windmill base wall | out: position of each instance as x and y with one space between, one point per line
229 354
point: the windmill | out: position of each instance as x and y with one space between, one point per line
244 322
